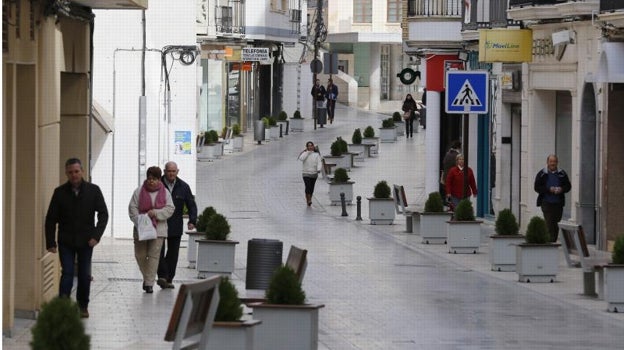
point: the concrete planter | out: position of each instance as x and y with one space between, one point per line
215 258
336 188
211 151
400 128
237 143
537 263
286 326
614 287
296 124
381 211
464 237
503 251
341 161
388 134
433 227
233 335
374 141
191 250
284 125
359 149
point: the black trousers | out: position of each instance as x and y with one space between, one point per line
552 215
309 184
331 107
169 260
409 127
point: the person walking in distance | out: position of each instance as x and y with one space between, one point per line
449 161
318 94
455 182
551 184
73 207
409 115
182 196
153 199
332 95
312 163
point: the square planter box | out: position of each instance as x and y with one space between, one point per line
215 258
342 161
433 227
237 143
191 250
374 142
336 188
359 149
233 335
614 287
286 326
296 124
538 263
503 251
400 128
381 211
212 151
464 237
388 134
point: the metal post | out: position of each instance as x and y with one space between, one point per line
281 130
359 208
317 43
343 202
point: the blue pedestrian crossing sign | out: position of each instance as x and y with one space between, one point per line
466 92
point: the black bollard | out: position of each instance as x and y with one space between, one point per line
359 208
287 126
343 202
281 129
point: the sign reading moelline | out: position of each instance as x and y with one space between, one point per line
505 45
255 54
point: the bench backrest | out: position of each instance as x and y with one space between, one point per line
400 200
297 260
573 243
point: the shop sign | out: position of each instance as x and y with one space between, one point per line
505 45
255 54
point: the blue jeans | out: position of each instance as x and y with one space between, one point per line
67 256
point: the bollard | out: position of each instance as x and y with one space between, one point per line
281 130
343 202
359 208
287 126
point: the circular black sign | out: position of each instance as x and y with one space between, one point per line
316 66
408 75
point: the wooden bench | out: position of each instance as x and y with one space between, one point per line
578 254
400 205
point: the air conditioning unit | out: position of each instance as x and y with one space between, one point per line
295 16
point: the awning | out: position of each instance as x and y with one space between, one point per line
104 119
611 67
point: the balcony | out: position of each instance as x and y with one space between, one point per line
611 5
116 4
229 20
485 14
525 10
434 8
612 12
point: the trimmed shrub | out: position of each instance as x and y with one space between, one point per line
356 139
397 116
217 228
340 175
344 147
203 218
335 149
265 121
285 288
214 135
272 121
537 231
382 190
617 256
506 223
434 203
369 131
387 123
297 115
59 327
464 211
229 309
282 115
236 130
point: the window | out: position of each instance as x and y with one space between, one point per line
394 11
279 5
362 11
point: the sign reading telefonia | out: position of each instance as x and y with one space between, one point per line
255 54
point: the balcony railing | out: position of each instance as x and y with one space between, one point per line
486 14
611 5
230 19
430 8
520 3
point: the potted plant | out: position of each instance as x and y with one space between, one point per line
282 122
433 220
212 148
371 139
237 138
267 128
274 130
503 243
200 231
356 145
338 154
397 117
537 260
340 184
287 321
463 231
59 327
614 278
215 253
296 122
387 132
228 330
381 208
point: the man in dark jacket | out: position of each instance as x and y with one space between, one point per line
72 208
181 195
551 183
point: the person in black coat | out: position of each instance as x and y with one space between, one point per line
182 195
551 184
72 208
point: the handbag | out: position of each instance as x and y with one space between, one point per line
145 228
407 115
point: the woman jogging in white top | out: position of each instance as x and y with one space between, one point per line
311 159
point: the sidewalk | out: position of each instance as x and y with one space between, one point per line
382 288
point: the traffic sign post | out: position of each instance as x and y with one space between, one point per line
466 92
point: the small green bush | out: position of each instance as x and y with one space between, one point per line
229 309
387 123
265 121
214 135
272 121
464 211
285 288
537 231
224 132
282 115
369 131
297 115
217 228
340 175
203 218
397 116
344 147
335 149
617 256
506 223
382 190
434 203
356 139
236 130
208 138
59 327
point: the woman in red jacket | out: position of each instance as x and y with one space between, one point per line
455 182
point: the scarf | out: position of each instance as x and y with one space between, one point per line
145 200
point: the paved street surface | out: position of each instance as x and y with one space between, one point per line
382 288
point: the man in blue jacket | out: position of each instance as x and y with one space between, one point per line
551 184
72 208
182 196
